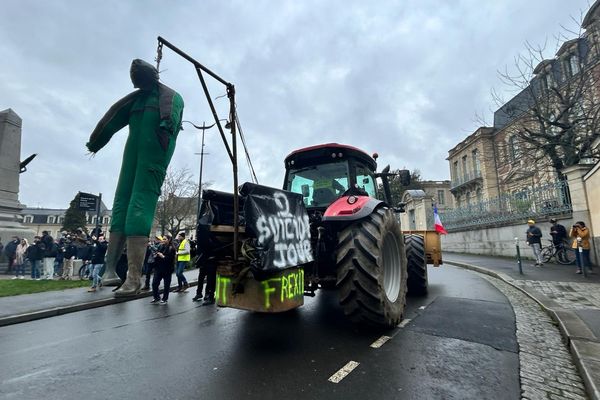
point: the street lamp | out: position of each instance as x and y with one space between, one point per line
202 128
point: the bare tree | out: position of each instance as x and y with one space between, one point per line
178 201
554 118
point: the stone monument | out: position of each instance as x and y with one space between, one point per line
10 153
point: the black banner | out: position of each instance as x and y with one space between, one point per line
279 221
87 202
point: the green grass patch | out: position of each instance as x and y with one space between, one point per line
10 287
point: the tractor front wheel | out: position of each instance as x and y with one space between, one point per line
371 270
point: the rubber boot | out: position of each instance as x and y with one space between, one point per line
116 245
136 251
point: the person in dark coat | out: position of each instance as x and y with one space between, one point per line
164 265
97 261
35 255
10 250
558 233
49 254
69 254
534 239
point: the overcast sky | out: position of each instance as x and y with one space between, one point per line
401 78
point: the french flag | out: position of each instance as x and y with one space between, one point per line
438 222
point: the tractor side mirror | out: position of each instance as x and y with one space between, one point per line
305 190
404 176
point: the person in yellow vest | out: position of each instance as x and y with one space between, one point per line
581 237
183 257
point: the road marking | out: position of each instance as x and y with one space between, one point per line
422 307
343 372
379 342
404 323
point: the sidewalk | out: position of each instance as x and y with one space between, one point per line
29 307
572 300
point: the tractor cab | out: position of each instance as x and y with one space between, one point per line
326 172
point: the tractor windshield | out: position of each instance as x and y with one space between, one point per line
321 184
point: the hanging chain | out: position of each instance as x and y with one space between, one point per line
158 56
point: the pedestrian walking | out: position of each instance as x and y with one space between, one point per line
35 255
70 252
183 258
20 259
10 251
97 261
164 264
581 239
534 239
558 233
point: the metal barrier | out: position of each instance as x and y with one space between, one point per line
540 201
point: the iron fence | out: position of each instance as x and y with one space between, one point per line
540 201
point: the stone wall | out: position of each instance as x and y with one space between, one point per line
592 186
499 241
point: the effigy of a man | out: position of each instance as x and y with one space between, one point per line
153 113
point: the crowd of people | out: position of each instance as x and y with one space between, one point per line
49 258
578 238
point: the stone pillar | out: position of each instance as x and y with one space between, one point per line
577 190
579 197
10 153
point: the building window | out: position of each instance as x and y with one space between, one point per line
574 64
61 220
105 220
479 195
440 197
476 162
51 219
455 170
464 166
29 219
513 148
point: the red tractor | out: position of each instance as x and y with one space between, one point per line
327 229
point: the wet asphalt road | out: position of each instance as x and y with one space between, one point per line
459 344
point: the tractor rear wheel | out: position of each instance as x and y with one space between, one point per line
371 270
417 264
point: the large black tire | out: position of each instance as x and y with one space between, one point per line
416 264
371 270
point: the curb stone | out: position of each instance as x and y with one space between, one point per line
53 312
583 344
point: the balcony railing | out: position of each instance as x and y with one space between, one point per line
465 178
541 201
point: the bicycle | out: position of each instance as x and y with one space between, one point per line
563 255
84 273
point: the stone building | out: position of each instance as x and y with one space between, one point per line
51 220
473 170
439 191
507 158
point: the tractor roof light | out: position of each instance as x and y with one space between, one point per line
333 155
352 199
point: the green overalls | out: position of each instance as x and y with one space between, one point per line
153 114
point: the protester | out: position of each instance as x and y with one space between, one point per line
97 261
581 238
69 254
59 258
183 258
558 233
150 259
534 239
35 255
20 257
49 253
163 269
208 270
10 251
